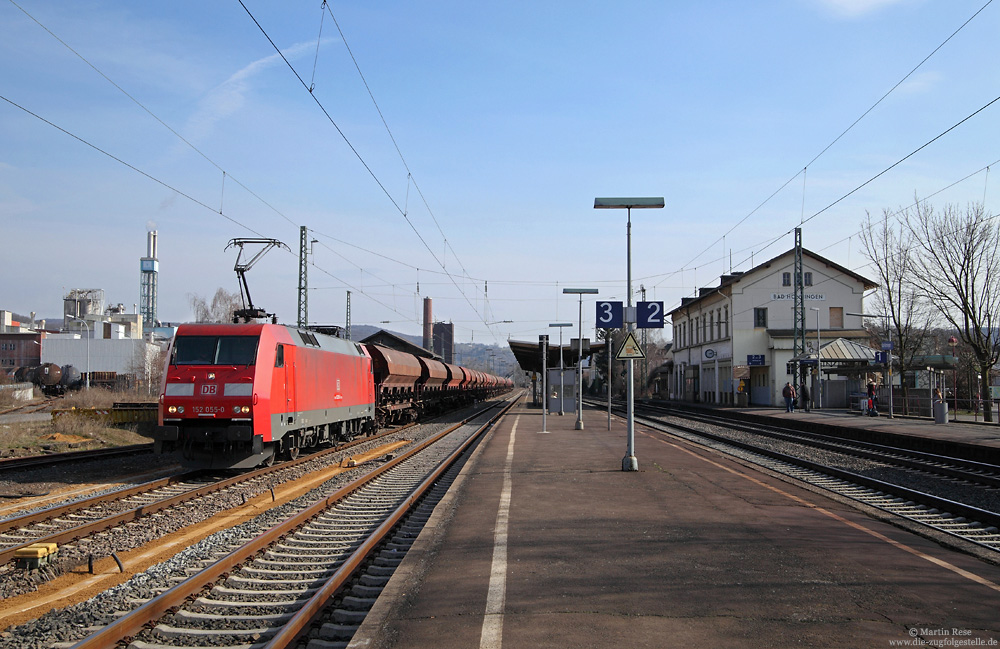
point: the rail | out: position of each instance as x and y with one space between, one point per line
130 624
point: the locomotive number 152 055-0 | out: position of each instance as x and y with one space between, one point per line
208 409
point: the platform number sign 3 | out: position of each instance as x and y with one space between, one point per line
610 315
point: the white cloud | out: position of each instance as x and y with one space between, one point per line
920 83
856 8
230 96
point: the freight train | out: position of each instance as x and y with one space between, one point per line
240 395
50 378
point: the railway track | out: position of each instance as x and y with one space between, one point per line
39 461
320 567
78 519
969 512
987 475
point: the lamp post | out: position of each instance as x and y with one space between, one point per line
629 462
87 325
562 386
819 371
979 400
953 342
543 342
579 364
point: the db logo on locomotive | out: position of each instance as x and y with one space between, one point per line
208 389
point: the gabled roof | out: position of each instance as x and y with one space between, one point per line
735 278
842 350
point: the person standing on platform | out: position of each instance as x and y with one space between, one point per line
788 392
872 400
805 396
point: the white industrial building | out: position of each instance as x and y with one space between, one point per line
133 356
744 328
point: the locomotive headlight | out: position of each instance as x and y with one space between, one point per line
180 409
245 410
236 410
172 409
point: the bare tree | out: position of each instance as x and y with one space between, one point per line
224 303
908 317
958 269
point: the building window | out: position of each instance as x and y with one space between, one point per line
727 322
760 317
807 279
711 326
836 317
786 279
718 323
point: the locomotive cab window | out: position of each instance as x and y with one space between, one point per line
215 350
279 356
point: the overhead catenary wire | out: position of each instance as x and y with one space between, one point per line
183 194
842 134
360 158
450 262
773 240
131 166
138 103
224 173
409 174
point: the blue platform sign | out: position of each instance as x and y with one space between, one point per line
610 315
755 359
649 315
886 345
882 357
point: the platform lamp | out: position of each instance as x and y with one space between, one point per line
579 365
888 330
87 325
629 463
562 386
819 362
953 342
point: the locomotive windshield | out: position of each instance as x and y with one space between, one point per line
215 350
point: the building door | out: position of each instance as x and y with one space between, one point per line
760 389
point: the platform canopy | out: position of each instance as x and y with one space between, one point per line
529 355
842 356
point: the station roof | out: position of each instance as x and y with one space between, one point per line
529 356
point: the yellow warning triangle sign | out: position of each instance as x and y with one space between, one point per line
630 349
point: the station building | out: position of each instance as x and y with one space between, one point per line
740 334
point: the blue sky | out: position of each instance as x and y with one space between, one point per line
511 117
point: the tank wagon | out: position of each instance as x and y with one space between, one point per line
240 395
50 377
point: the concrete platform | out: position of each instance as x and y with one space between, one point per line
545 542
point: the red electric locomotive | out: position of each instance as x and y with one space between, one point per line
236 396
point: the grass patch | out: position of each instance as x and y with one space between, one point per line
66 433
72 432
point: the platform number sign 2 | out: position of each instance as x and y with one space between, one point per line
649 315
610 315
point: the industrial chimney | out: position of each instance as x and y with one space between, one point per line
428 325
149 268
